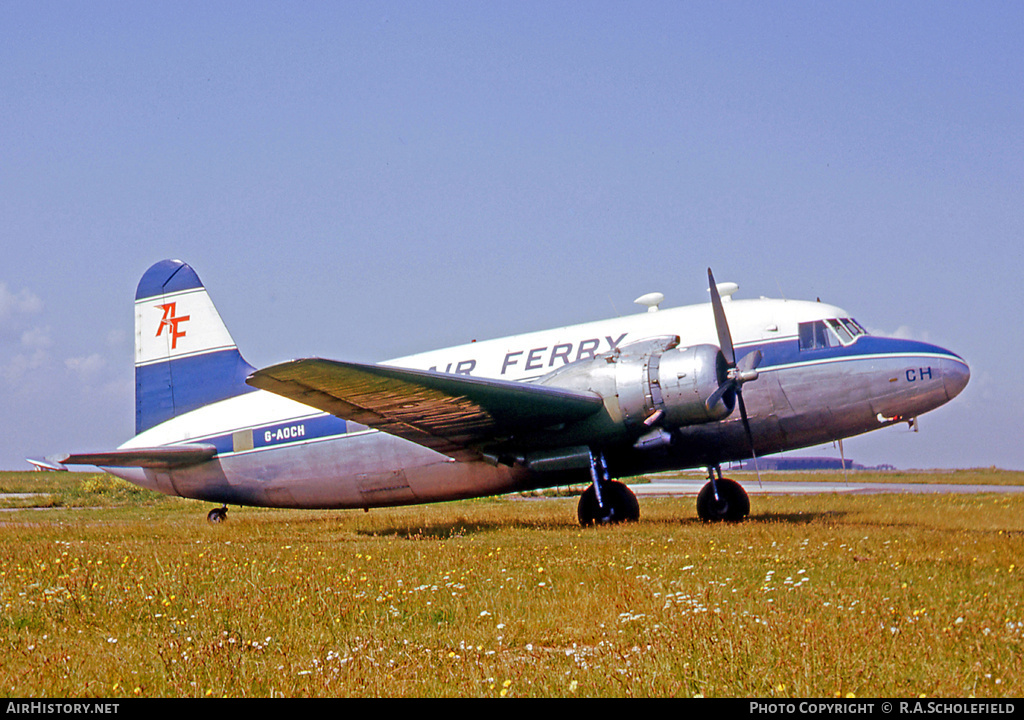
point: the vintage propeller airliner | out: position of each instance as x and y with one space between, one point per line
585 404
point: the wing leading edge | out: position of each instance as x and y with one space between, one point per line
455 415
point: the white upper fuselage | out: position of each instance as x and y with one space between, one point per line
531 355
517 357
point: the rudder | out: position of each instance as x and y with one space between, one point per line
184 355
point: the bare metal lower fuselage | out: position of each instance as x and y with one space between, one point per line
797 402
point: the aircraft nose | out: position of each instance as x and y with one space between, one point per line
955 375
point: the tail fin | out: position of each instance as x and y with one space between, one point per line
184 356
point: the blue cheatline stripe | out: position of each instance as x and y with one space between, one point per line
166 389
167 276
788 352
302 430
308 429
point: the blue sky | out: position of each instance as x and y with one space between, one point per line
364 180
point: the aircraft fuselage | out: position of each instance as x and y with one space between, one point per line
822 378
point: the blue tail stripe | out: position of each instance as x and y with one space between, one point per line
166 389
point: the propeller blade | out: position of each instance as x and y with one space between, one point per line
721 324
718 395
750 361
750 435
738 373
743 414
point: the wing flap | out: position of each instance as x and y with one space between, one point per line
452 414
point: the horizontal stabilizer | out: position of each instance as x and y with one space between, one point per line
452 414
46 465
172 456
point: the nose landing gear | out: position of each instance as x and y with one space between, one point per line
722 499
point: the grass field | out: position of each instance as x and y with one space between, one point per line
113 591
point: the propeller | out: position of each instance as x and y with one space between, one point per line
737 373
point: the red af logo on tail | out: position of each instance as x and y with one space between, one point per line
171 322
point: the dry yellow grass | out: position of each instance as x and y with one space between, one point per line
133 594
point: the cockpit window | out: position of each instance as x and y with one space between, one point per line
834 332
855 328
840 330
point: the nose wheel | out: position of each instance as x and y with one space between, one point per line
722 500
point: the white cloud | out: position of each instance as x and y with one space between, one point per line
15 369
86 367
31 355
13 307
37 338
903 332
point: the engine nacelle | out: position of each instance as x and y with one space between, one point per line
688 377
652 383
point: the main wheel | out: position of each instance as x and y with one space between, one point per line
217 515
732 504
620 505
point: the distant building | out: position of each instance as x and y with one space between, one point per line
808 463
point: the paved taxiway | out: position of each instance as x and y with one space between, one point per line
691 486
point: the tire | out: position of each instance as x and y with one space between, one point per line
620 505
732 504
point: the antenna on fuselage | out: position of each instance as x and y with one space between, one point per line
726 290
651 300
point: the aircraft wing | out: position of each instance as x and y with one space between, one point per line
171 456
452 414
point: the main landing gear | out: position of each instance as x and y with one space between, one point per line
606 501
722 499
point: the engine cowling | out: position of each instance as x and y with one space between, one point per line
653 383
